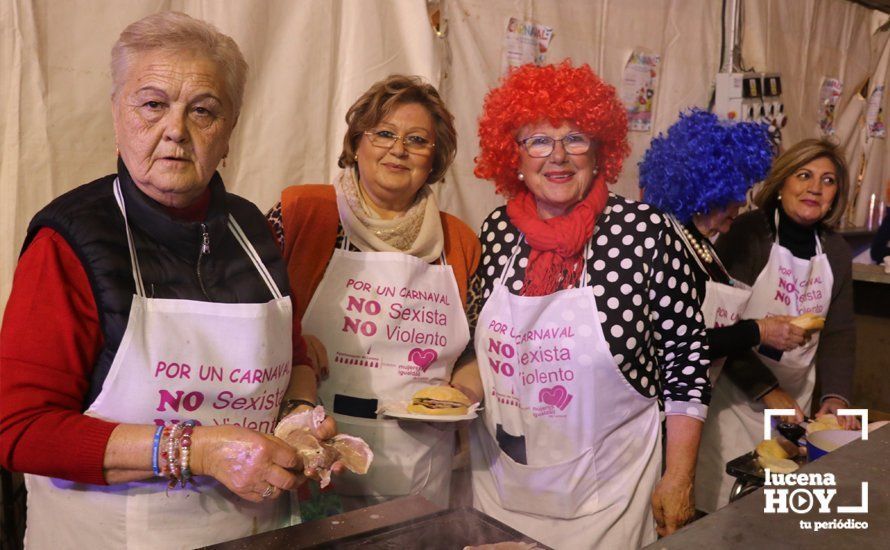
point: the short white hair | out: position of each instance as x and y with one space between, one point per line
172 31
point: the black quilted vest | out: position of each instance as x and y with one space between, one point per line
89 219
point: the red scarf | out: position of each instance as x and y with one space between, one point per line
556 260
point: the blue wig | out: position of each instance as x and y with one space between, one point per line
701 164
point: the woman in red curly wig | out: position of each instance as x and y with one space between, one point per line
586 326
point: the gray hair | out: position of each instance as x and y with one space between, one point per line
172 31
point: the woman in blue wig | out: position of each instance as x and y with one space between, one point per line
700 171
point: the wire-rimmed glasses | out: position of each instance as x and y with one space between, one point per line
413 143
542 146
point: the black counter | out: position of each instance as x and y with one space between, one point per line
744 524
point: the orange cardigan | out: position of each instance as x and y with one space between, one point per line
310 221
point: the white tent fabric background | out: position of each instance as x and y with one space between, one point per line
310 59
602 34
861 54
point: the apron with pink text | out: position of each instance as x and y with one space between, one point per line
390 323
786 286
567 451
178 359
723 304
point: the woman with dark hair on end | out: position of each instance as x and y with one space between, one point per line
788 252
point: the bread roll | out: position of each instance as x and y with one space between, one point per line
809 321
771 447
439 400
777 465
829 420
824 422
814 427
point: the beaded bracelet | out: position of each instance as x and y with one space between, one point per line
163 458
173 456
171 452
185 444
154 450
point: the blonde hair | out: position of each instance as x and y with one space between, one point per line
172 31
381 99
804 152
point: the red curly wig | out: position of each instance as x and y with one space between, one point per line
555 93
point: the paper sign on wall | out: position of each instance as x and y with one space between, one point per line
638 89
525 42
874 115
829 95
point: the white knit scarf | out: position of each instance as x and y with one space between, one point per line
417 232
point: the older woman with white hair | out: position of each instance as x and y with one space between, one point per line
149 338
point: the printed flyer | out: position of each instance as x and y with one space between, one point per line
638 89
874 116
525 42
829 95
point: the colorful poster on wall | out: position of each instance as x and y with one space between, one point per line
829 95
874 115
525 42
638 89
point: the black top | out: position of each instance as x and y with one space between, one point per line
734 342
745 251
647 300
800 240
722 341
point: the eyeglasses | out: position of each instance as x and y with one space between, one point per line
413 143
542 146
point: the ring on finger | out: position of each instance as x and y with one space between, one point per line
268 492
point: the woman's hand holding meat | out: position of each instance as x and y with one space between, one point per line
245 461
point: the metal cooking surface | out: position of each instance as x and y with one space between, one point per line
449 529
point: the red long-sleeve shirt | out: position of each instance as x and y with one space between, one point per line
49 342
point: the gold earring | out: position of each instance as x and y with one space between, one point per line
355 157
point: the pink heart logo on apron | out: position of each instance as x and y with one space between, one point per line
423 358
557 396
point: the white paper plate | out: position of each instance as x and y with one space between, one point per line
431 417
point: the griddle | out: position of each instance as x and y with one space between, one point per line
403 523
445 530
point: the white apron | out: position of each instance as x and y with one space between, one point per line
567 451
723 304
178 360
786 286
390 323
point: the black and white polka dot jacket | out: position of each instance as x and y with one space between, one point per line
648 304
